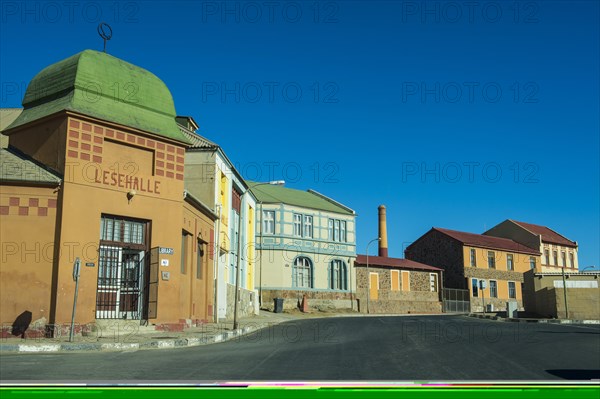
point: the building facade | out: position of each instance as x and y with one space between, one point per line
393 285
544 295
211 176
95 176
306 245
557 251
468 259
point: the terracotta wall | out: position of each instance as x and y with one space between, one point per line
27 224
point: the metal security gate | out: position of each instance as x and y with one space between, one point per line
120 283
122 269
456 301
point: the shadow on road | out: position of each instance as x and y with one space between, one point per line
568 332
576 374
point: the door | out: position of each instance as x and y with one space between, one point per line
374 286
109 271
129 305
121 268
120 282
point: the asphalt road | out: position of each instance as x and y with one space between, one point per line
424 348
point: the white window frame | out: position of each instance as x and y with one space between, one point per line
307 226
338 230
307 267
297 221
496 289
343 231
473 257
338 268
268 222
510 266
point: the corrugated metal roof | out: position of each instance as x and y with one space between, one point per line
196 140
17 167
393 263
273 194
479 240
548 235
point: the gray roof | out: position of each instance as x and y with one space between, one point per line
197 140
17 167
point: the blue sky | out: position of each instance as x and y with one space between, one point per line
452 114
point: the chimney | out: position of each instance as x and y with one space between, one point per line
383 245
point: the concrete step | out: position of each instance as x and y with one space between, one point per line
117 327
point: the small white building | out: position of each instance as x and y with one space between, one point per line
306 245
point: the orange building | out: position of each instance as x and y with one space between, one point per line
94 172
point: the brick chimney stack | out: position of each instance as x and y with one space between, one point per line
383 243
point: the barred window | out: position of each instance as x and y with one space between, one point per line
118 229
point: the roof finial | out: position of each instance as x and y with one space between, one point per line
105 32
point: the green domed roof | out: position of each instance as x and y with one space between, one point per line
105 87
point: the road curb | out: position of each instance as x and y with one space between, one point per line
525 320
132 346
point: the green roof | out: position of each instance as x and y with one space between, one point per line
104 87
273 194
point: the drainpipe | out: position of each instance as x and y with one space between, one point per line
260 301
216 266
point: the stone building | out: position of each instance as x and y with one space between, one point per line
95 176
306 245
467 259
395 285
557 251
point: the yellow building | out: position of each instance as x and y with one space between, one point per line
212 177
558 252
469 259
95 176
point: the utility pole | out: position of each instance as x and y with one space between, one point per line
565 293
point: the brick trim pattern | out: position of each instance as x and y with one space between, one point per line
85 141
26 206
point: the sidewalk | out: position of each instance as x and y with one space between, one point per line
532 319
115 340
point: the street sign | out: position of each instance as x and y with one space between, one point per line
76 267
166 251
